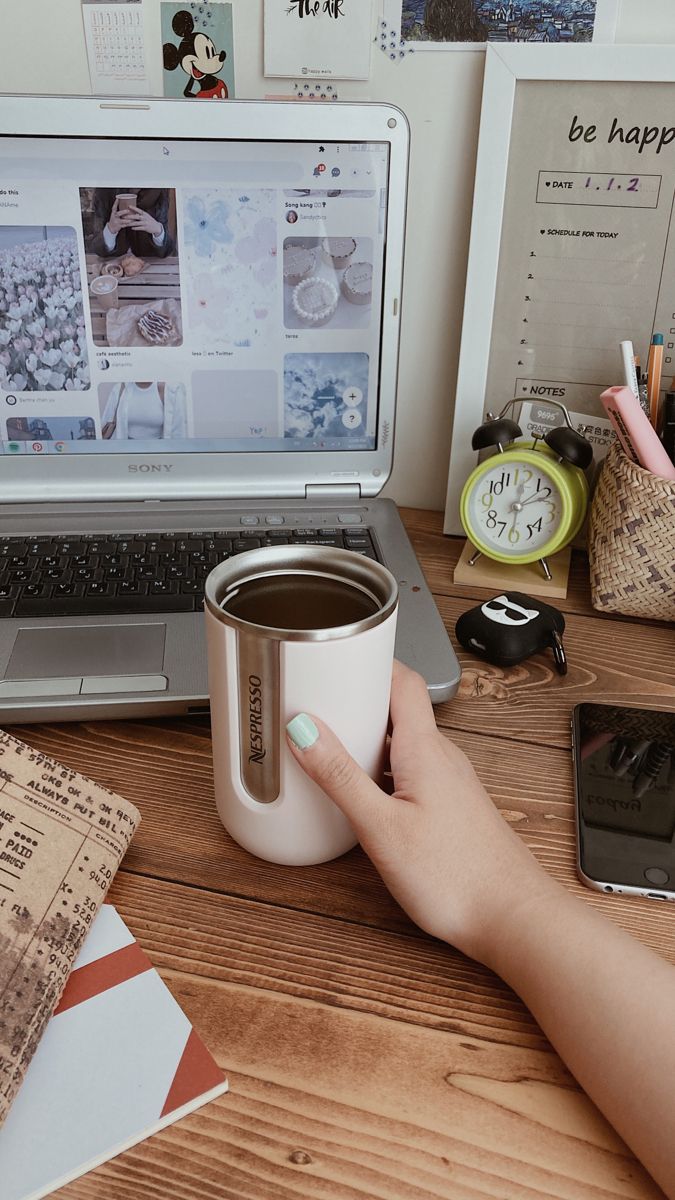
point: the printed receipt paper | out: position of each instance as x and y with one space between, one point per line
62 838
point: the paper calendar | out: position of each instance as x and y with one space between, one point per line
115 39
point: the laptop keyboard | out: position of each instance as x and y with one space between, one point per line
135 573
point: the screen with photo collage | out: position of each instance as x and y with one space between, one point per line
204 295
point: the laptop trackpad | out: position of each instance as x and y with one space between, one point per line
87 650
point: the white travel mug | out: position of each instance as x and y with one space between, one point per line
295 629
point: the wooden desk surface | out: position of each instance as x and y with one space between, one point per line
365 1059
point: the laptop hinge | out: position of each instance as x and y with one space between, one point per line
332 491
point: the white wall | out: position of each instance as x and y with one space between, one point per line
440 93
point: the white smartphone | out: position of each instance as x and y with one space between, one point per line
625 799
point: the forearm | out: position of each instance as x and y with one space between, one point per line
607 1004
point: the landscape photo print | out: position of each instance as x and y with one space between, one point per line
426 23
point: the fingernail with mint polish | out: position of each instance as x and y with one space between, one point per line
302 731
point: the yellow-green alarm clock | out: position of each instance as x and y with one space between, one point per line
528 500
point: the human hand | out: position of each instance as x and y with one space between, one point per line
442 848
117 219
141 220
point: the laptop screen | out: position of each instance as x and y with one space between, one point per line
190 295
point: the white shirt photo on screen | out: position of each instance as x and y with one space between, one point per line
146 411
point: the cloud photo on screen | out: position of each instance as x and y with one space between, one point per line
325 395
43 345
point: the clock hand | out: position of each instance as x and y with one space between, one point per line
533 497
515 508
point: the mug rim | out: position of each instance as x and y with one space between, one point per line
328 561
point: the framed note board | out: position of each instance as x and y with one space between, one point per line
572 239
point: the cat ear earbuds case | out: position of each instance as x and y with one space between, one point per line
511 627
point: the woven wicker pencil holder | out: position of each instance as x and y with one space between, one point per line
632 541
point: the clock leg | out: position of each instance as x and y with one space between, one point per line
474 557
545 568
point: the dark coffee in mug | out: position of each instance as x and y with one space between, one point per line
299 601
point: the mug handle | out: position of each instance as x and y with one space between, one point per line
258 681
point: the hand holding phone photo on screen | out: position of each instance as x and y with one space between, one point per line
140 221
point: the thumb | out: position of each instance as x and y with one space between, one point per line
323 757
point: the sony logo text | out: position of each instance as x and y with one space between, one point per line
148 467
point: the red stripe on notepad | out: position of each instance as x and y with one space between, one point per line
102 974
197 1072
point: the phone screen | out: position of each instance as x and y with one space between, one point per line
625 794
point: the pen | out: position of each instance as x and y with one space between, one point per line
629 374
668 431
635 432
642 387
654 377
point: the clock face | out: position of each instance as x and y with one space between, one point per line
514 507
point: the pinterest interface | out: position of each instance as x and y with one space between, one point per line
205 295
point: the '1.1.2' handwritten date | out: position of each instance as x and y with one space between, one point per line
599 188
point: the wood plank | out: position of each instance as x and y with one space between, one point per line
155 269
165 276
608 661
405 977
164 767
168 263
438 556
333 1105
159 266
140 286
140 295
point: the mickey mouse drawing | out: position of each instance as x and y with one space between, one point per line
198 57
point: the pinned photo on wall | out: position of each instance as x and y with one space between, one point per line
197 50
471 24
318 38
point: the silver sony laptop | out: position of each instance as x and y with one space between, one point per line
199 322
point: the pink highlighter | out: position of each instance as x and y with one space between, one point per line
636 433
